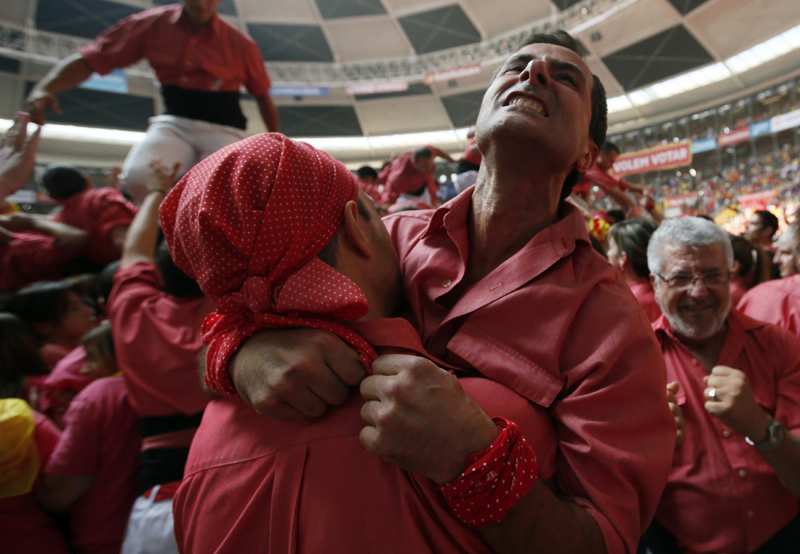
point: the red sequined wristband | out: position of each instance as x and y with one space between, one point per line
494 480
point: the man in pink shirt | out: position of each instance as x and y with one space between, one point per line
612 186
200 61
735 478
778 301
409 177
503 280
102 212
156 312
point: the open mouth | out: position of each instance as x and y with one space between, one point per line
528 103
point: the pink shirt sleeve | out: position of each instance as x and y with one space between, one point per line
114 211
258 81
118 46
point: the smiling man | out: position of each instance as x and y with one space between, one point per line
200 61
735 479
503 281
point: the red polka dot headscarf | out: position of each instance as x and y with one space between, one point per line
247 224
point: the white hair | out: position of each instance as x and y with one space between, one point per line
691 232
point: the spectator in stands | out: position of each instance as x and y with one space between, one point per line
503 280
17 155
156 312
735 479
58 316
92 472
627 251
612 186
103 212
200 60
750 267
350 500
760 231
409 177
34 248
367 179
778 301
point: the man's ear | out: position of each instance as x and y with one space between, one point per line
623 260
588 158
356 230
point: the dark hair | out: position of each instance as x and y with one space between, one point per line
616 215
42 302
598 125
423 152
19 355
632 237
366 172
329 252
609 147
104 281
768 219
751 258
63 181
176 282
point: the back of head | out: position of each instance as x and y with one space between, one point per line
176 282
609 148
632 237
19 355
101 342
598 125
687 232
104 281
63 181
423 152
366 172
41 302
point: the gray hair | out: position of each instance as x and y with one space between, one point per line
790 239
692 232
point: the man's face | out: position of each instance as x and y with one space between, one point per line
605 161
786 258
201 11
696 312
425 165
542 93
755 231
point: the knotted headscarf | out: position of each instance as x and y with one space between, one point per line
247 224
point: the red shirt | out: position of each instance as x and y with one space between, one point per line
738 288
643 291
28 258
53 353
776 302
471 153
311 487
157 341
101 439
722 495
217 58
556 324
98 211
401 176
596 176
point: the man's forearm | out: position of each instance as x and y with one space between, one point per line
67 237
545 524
269 113
140 242
65 75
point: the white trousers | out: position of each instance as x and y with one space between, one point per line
151 527
173 139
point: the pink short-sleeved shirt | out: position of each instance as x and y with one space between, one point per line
219 57
776 302
401 176
157 341
722 495
643 291
101 439
28 258
98 211
311 487
596 176
556 324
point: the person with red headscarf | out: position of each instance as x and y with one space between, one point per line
278 235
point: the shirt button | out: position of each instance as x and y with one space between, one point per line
184 78
726 433
694 361
750 513
742 473
447 283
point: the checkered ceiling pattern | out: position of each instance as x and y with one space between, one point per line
642 42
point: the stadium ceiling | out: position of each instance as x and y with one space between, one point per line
355 72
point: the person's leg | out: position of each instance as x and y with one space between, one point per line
150 527
166 140
207 138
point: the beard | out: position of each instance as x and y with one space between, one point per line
696 330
